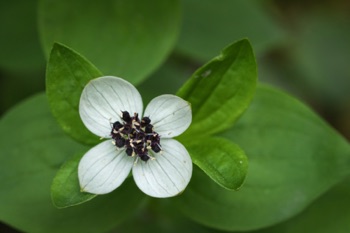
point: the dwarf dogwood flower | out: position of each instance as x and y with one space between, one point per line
111 107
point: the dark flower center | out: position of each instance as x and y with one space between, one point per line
138 137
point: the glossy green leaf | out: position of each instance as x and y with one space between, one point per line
329 213
219 158
125 38
294 157
222 160
65 189
222 89
209 25
33 147
66 76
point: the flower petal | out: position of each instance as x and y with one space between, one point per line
103 168
168 174
102 101
170 115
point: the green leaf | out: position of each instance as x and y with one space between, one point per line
162 216
209 25
222 89
33 147
329 213
294 157
323 35
125 38
22 62
222 160
166 80
66 76
19 40
65 189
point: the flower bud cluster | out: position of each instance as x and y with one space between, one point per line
137 136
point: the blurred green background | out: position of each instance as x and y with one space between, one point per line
302 47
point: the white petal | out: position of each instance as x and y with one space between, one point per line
168 174
170 115
102 101
103 168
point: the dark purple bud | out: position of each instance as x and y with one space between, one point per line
155 147
126 116
119 141
144 157
145 121
127 129
117 125
149 128
129 151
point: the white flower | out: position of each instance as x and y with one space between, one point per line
111 107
